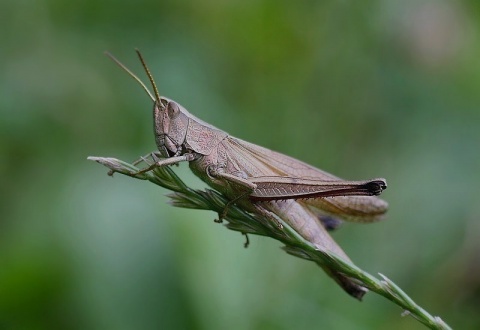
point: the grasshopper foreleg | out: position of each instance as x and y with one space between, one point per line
155 155
166 161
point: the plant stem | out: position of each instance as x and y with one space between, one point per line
247 223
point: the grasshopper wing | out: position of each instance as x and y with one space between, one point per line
280 177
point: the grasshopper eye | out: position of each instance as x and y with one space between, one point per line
173 109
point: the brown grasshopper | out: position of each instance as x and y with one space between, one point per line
263 181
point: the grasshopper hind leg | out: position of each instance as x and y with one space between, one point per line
330 223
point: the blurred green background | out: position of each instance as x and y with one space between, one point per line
360 89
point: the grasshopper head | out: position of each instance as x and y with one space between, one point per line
170 124
170 118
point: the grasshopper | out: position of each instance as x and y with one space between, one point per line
262 181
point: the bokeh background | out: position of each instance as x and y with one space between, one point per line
361 89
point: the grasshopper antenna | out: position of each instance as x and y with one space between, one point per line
150 77
120 64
